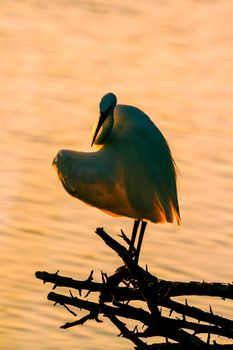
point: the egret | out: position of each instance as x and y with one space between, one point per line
131 174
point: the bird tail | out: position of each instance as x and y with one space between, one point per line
176 214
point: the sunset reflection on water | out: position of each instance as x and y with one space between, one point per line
171 59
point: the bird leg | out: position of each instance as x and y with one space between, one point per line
134 234
142 231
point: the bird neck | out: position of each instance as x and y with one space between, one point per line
105 131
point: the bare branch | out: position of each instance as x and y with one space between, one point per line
131 283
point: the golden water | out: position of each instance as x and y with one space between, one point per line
174 60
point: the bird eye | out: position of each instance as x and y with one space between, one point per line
106 112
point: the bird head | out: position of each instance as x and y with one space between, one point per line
107 105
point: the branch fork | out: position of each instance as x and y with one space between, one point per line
131 283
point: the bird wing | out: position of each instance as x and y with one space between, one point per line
150 174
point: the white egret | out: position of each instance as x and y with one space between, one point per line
132 173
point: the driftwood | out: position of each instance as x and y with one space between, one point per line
183 327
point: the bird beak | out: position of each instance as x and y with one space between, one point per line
100 123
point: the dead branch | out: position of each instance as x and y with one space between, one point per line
132 283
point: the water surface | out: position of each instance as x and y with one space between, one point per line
171 59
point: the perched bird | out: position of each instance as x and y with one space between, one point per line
131 174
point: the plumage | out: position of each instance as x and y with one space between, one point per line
131 174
